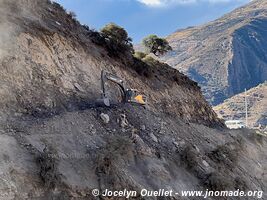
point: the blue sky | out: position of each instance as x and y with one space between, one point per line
143 17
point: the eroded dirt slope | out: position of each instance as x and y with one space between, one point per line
136 149
52 65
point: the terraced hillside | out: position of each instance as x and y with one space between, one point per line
234 108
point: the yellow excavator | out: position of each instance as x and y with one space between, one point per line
128 95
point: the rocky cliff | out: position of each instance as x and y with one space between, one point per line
224 56
56 144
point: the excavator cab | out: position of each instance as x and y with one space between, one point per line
128 95
133 96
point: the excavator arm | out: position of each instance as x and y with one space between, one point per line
113 78
128 95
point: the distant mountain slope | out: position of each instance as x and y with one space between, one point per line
234 108
224 56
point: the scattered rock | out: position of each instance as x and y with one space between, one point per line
78 87
182 143
153 137
109 130
92 130
196 148
143 127
176 144
162 127
123 121
105 118
134 131
204 162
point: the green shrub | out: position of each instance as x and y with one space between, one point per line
97 38
58 6
140 55
86 27
156 45
116 33
72 15
115 39
151 61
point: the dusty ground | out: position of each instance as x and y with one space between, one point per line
148 151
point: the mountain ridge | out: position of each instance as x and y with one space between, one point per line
219 55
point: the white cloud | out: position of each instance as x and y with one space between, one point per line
160 3
151 2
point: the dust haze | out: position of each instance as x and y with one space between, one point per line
9 11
